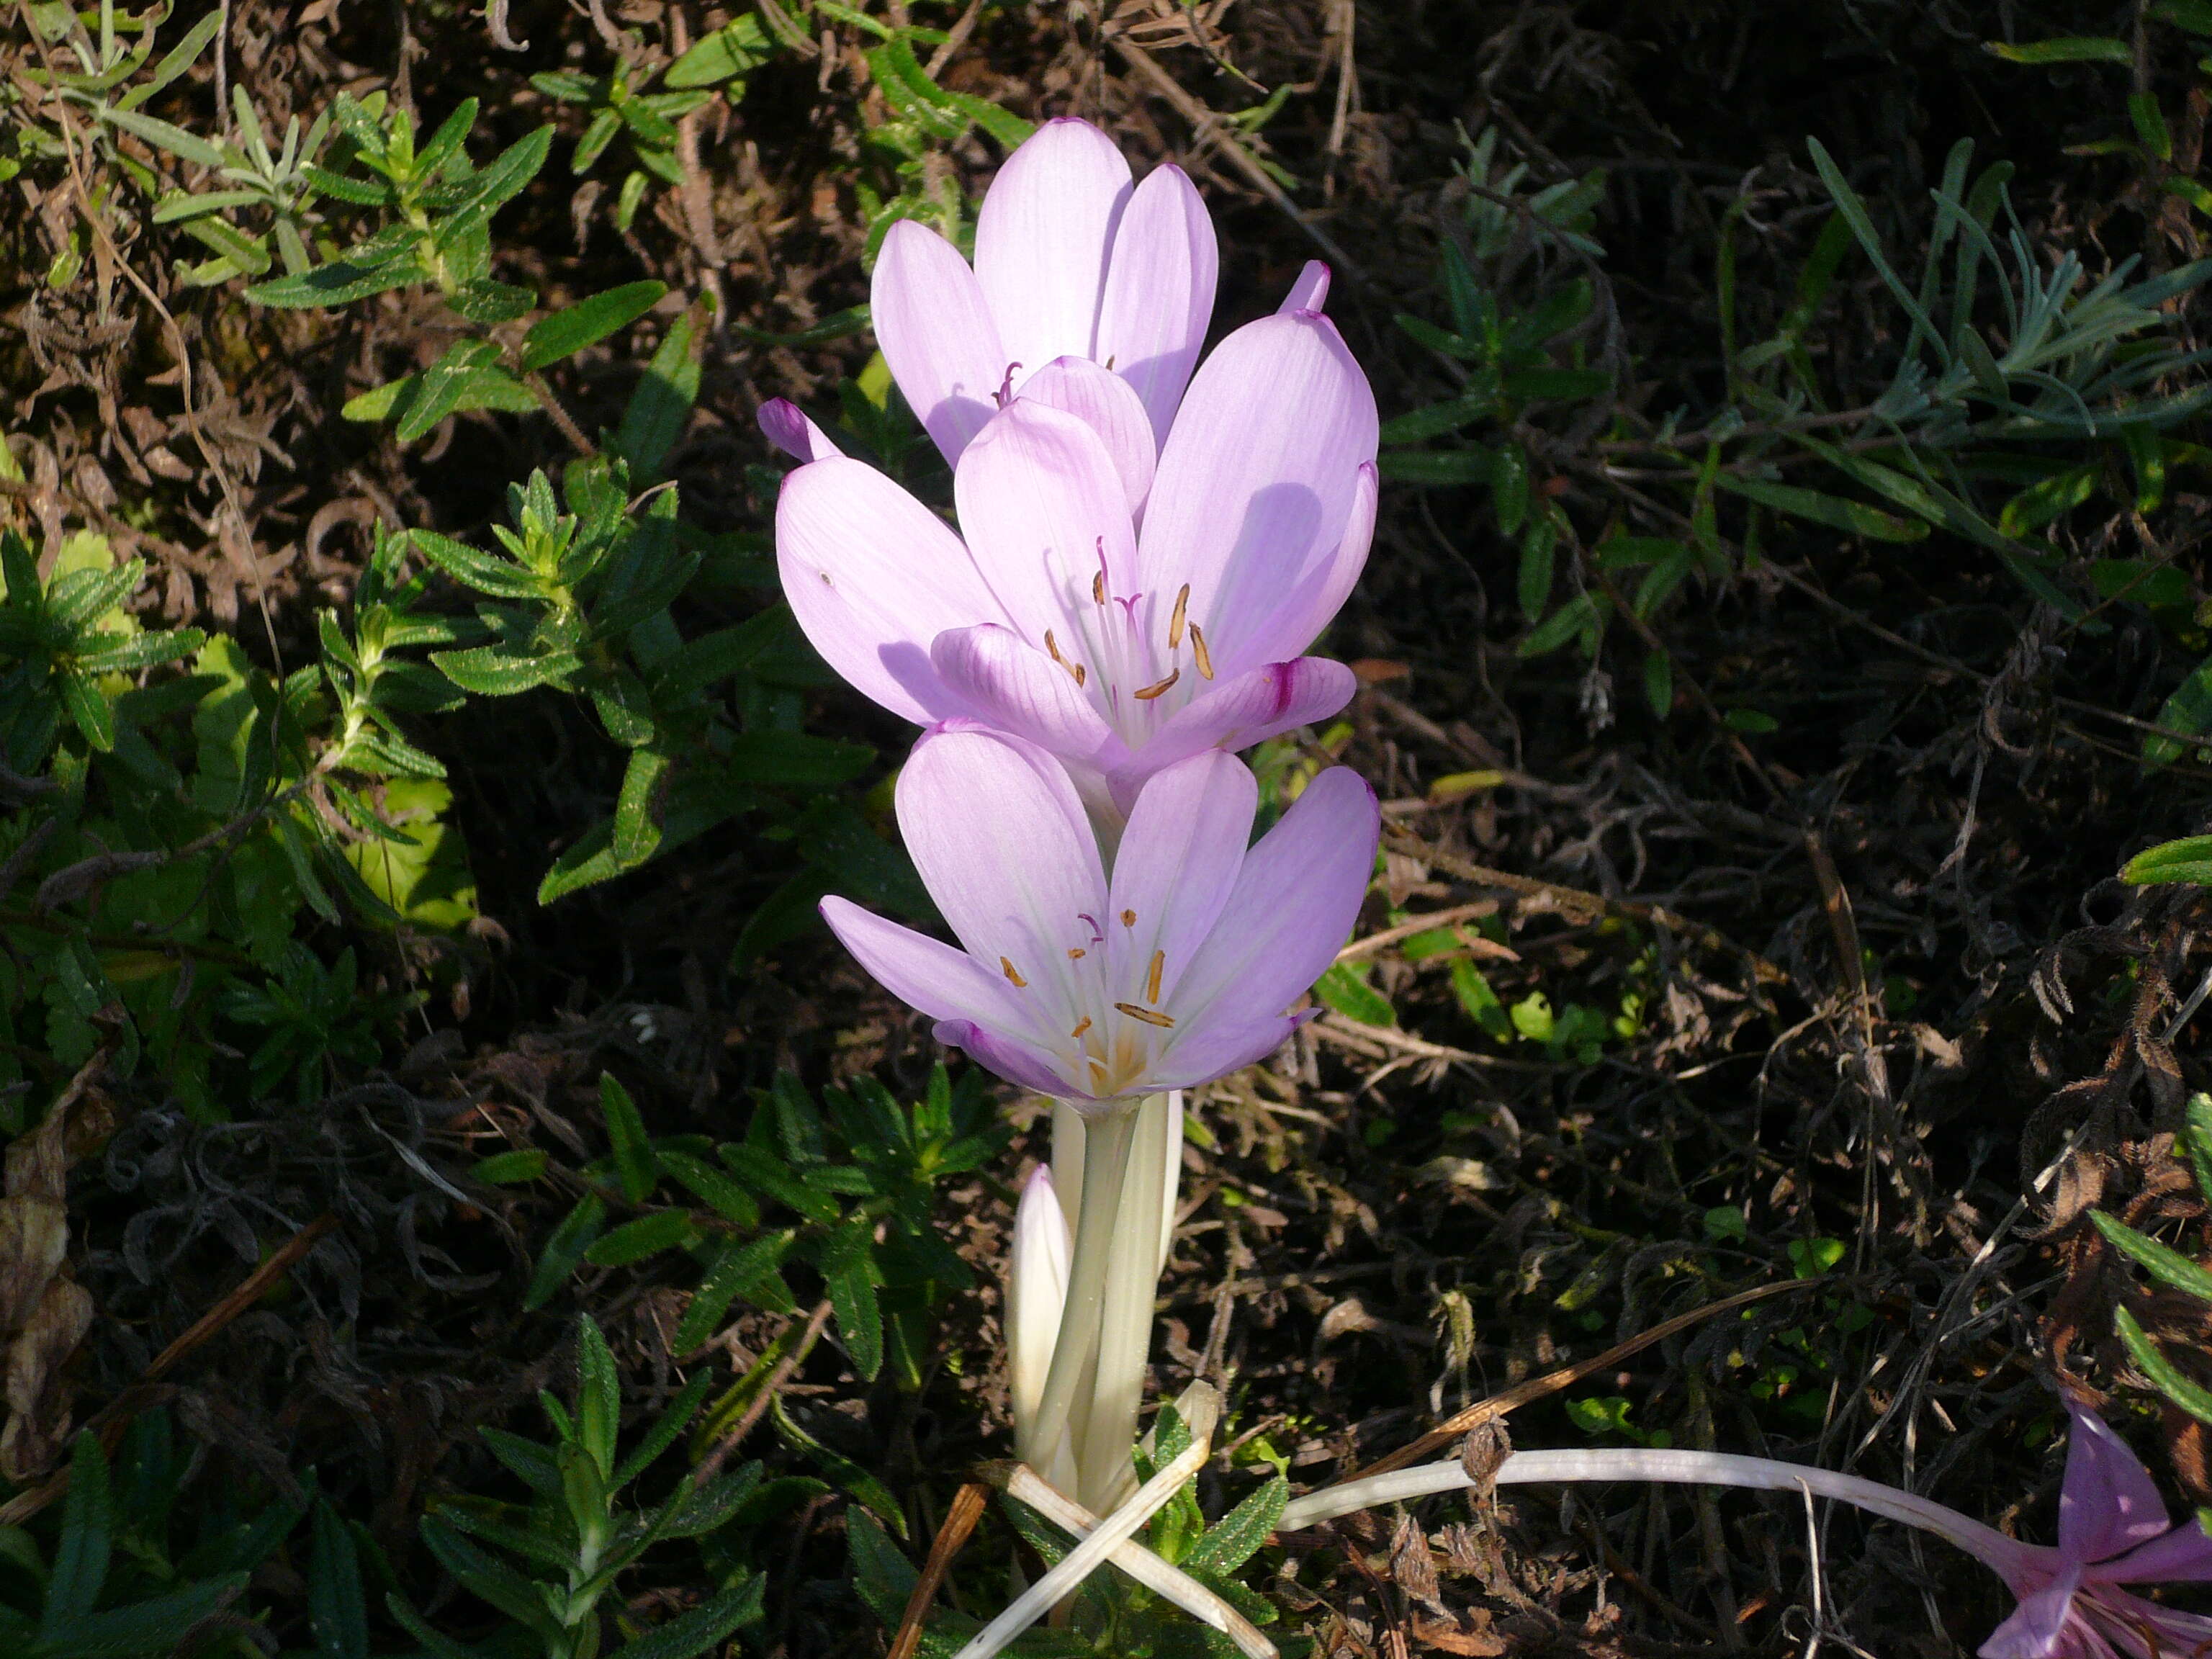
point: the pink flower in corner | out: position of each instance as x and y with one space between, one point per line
1171 971
1089 291
2112 1530
1121 647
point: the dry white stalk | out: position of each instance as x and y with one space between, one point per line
1163 1578
1087 1557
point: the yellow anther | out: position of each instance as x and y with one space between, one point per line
1175 622
1151 1017
1007 969
1198 650
1159 688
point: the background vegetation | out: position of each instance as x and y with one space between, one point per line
457 1199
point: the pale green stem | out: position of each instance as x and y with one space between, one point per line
1107 1139
1108 1425
1699 1469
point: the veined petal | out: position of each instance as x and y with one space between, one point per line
1308 608
1309 292
1041 239
1293 906
2182 1554
1005 683
2036 1623
1177 863
1105 404
937 334
873 576
2145 1630
1024 1064
1040 501
925 974
1238 712
1220 1047
1160 293
2108 1503
1001 841
786 425
1256 482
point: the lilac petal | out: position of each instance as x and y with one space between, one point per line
1238 712
873 576
2180 1555
1175 869
1309 608
1103 403
1002 844
1160 293
925 974
2036 1623
1220 1048
937 335
784 424
1257 481
1042 240
2108 1503
1309 292
1040 502
1022 1063
1017 689
1293 906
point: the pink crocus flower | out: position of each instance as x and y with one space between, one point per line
1108 282
1121 646
2112 1530
1101 990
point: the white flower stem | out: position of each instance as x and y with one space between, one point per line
1108 1425
1107 1139
1700 1469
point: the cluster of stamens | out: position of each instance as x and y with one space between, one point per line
1179 624
1132 1055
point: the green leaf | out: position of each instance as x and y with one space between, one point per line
80 1555
739 1268
661 404
486 302
1853 518
510 1169
163 136
564 1250
2188 709
712 1187
506 176
599 1395
692 1633
1232 1540
485 1575
649 1235
1556 383
141 1629
2192 1397
337 283
633 1159
2194 15
566 332
2067 48
2161 1261
2039 503
1436 466
636 827
737 48
1570 619
2200 1141
1344 988
850 1274
337 1614
1480 1000
490 671
1434 421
